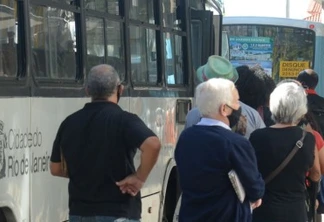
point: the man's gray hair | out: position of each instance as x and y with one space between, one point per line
288 103
210 95
102 81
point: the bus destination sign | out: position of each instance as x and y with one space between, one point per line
290 69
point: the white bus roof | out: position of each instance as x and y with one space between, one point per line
241 20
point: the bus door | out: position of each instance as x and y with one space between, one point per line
202 37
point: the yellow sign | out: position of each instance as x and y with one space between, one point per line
290 69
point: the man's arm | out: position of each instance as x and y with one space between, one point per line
57 164
244 163
57 170
315 170
150 152
139 135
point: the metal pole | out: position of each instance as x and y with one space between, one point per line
287 8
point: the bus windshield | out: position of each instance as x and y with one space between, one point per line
275 48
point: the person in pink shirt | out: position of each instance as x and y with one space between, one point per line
312 126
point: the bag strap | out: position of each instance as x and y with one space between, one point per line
299 144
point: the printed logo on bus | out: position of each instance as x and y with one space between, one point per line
21 152
3 145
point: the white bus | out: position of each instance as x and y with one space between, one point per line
46 50
281 46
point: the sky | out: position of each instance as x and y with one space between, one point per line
271 8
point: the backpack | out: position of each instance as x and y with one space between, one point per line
316 106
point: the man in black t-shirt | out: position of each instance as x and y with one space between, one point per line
97 145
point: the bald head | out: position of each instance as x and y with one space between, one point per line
102 82
308 78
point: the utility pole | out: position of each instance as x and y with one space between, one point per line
287 8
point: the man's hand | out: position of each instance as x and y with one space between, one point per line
256 204
132 184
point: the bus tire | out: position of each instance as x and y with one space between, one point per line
2 216
172 195
177 210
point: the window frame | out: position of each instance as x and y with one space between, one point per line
105 17
160 45
20 76
18 85
52 83
27 82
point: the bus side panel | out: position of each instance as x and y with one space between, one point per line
319 64
159 115
49 194
16 142
150 208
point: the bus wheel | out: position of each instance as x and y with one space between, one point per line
172 196
177 210
2 216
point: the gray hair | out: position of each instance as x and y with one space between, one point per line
210 95
288 103
102 81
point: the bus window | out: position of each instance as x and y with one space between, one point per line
174 60
267 45
169 58
114 47
53 43
143 44
95 42
110 6
198 5
196 43
104 44
178 59
8 38
225 45
170 14
142 10
69 2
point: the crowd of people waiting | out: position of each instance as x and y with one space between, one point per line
269 134
251 150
